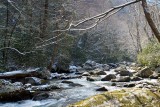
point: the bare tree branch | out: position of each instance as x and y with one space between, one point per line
11 3
14 49
98 18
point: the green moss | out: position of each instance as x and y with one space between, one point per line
124 98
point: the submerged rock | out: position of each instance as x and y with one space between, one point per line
45 87
72 83
132 97
40 96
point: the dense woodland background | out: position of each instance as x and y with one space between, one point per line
32 33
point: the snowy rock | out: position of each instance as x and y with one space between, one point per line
34 80
86 74
72 68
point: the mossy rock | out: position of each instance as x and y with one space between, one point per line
133 97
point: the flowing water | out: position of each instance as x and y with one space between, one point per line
68 95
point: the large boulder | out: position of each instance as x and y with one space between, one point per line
89 65
144 73
131 97
13 92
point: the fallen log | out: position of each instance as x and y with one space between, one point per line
38 72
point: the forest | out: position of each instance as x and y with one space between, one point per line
79 53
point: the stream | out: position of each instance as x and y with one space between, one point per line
71 94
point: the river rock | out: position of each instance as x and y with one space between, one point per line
45 87
34 80
70 77
72 68
72 83
80 70
90 79
121 68
136 78
131 97
124 73
13 92
154 76
144 73
106 67
113 84
102 89
122 79
67 82
89 65
101 73
94 78
41 96
109 77
18 84
130 85
97 71
86 74
112 65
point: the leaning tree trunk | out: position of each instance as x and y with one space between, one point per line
150 20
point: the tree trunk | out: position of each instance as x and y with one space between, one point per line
5 44
55 50
150 20
44 22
